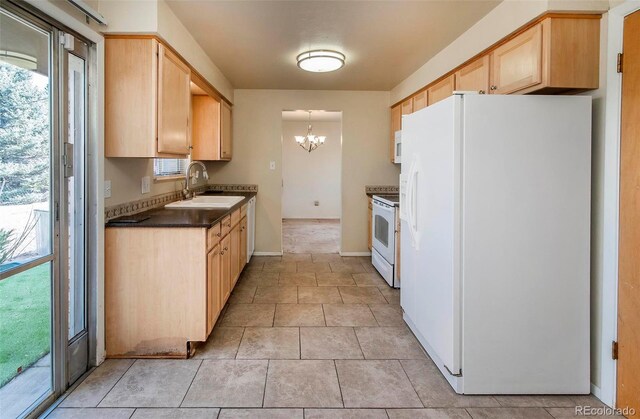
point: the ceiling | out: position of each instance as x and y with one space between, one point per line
316 116
255 43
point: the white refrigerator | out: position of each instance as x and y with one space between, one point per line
495 208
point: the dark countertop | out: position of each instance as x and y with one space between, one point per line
175 217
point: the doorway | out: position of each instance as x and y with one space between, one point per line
311 181
628 386
44 341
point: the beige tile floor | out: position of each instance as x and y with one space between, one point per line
310 235
303 336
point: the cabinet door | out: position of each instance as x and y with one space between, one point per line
226 132
205 128
441 90
243 243
396 122
235 253
214 287
174 103
130 88
419 100
474 76
517 64
407 108
225 268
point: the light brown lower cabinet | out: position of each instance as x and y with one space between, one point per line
225 267
243 243
214 287
235 253
166 287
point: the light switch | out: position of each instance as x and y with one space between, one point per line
107 189
272 165
146 184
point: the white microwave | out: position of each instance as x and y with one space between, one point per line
397 148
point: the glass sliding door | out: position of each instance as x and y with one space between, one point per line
27 205
44 336
74 63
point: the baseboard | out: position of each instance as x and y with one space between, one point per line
267 253
355 253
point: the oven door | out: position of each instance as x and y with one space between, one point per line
384 236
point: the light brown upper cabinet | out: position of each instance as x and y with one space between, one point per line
396 125
211 127
517 64
558 54
205 134
407 108
474 76
174 103
441 90
226 132
419 101
147 99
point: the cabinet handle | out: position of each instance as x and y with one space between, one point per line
222 253
226 248
218 234
482 92
494 87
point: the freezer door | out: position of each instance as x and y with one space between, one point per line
526 221
431 282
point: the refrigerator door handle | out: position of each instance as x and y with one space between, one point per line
413 223
411 202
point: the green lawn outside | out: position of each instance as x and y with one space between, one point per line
25 311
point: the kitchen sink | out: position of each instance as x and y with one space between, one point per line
206 202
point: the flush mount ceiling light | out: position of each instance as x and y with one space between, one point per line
320 60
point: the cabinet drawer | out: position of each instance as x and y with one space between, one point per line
243 211
213 236
225 226
235 217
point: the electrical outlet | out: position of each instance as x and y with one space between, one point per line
146 184
272 165
316 203
107 189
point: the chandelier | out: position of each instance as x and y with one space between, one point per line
310 142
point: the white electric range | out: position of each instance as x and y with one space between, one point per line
385 229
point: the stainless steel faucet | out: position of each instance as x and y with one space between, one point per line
187 192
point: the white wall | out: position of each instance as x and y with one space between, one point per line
309 177
257 124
